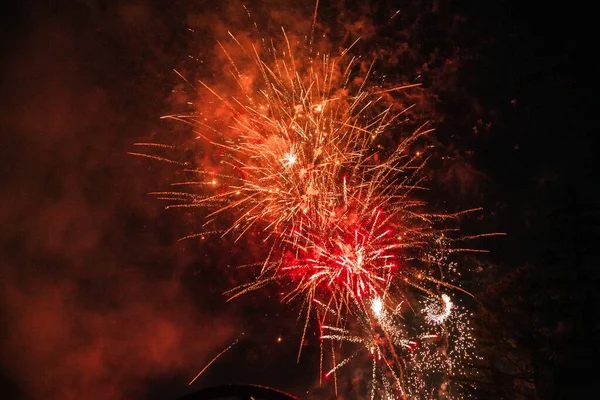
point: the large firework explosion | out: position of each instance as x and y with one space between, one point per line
305 161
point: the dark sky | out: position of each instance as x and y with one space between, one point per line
99 300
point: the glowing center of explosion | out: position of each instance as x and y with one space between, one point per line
351 259
357 264
289 159
377 306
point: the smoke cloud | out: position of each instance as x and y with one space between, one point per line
99 299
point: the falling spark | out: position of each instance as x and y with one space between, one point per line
225 350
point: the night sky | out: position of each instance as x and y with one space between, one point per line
98 298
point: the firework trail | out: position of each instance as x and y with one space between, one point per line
225 350
301 161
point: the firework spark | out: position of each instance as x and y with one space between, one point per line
225 350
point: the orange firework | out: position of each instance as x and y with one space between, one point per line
301 162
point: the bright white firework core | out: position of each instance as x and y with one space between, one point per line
377 306
289 159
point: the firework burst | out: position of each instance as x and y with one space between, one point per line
300 161
415 353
